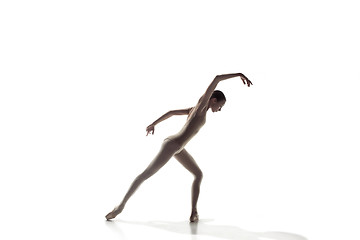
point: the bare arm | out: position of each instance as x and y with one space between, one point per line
151 127
206 97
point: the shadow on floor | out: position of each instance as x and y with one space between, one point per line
204 228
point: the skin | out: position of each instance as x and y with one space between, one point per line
174 146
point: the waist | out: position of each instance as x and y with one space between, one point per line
179 139
176 140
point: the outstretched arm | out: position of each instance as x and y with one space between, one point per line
206 97
151 127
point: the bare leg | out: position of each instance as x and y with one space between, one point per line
166 152
189 163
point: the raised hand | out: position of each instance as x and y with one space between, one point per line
150 129
245 80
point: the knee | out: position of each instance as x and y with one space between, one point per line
144 176
198 176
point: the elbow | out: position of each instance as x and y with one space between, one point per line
170 113
218 78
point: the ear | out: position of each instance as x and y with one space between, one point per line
213 100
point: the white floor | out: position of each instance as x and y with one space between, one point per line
77 226
65 205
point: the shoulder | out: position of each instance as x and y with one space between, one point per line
199 109
185 111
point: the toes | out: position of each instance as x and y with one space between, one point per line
109 216
194 218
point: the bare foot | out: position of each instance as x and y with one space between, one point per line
117 210
194 216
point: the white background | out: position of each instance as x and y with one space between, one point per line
81 80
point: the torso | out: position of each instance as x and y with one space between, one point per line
195 121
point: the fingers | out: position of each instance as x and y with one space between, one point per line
246 80
151 131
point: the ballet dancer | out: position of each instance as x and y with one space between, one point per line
174 146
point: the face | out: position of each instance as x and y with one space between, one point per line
216 105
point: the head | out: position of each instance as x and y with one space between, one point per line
217 101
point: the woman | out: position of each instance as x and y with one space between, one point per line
174 145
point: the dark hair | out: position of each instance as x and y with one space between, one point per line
219 95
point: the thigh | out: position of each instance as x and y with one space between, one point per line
167 150
188 162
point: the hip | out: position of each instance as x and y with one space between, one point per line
174 144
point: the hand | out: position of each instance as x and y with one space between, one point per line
150 129
245 80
